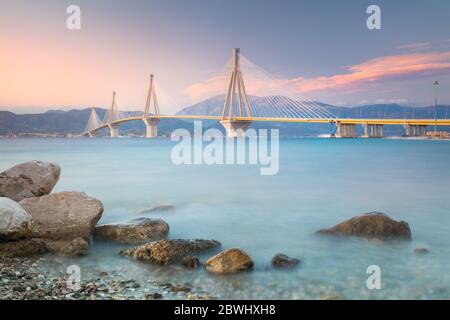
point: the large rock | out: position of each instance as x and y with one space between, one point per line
64 215
29 179
135 231
15 222
283 261
168 251
23 248
229 261
374 225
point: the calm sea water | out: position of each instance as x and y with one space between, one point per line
320 183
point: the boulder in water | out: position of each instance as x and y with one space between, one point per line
421 250
190 262
168 251
64 215
29 179
135 231
229 261
374 225
283 261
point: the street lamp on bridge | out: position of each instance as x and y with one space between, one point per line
436 84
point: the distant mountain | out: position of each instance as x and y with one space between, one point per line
74 121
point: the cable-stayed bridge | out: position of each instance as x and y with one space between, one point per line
271 101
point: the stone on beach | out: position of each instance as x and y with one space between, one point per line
29 179
23 248
64 215
135 231
229 261
75 248
282 260
168 251
15 222
372 225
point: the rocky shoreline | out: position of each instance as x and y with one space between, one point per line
31 279
37 226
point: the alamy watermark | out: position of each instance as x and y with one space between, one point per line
73 282
373 282
255 147
73 21
373 22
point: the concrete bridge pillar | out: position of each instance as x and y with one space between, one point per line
380 130
373 130
345 130
152 127
90 134
113 130
366 130
425 130
235 128
407 130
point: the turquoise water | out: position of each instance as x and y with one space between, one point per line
320 183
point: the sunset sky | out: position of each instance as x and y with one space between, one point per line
322 48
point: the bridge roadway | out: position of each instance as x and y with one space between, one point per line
345 121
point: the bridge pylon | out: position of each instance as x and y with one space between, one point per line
112 116
151 120
236 102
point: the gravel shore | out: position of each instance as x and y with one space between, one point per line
32 279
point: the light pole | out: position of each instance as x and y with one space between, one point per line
436 84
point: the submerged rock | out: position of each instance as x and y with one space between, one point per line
372 225
15 222
135 231
229 261
282 260
421 250
75 248
64 215
190 262
168 251
157 207
23 248
29 179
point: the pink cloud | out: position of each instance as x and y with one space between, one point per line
361 77
418 45
373 71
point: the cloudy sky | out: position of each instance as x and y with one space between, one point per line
321 48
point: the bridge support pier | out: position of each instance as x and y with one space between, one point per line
417 130
373 130
152 127
90 134
113 130
235 128
407 130
345 130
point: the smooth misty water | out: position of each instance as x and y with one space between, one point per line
320 183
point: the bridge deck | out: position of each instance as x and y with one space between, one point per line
412 122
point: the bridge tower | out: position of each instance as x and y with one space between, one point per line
113 115
151 121
236 102
93 122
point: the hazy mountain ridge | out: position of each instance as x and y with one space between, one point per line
74 121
